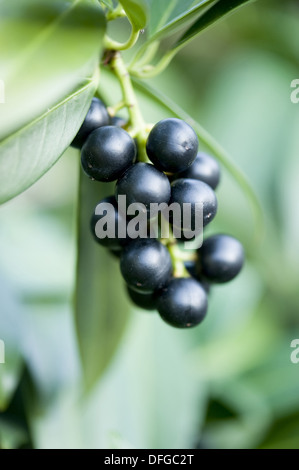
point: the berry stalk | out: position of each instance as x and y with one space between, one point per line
138 126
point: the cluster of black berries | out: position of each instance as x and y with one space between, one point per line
179 174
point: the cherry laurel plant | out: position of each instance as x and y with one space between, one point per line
165 178
147 194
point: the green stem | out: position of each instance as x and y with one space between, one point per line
150 71
117 13
113 110
145 57
176 254
179 269
118 46
138 127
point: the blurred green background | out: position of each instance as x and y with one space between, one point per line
229 383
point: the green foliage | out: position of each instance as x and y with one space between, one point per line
168 19
101 310
44 87
22 162
217 12
186 16
136 11
228 384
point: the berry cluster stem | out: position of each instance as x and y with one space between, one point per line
150 71
118 46
118 12
176 255
179 269
138 126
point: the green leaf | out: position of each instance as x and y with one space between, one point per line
101 306
237 415
208 141
283 434
221 9
49 51
167 21
136 11
30 152
141 394
178 13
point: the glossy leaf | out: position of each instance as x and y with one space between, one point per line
49 52
28 153
165 21
101 306
136 11
170 18
218 11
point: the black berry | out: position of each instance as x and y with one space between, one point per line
107 220
97 116
204 168
192 269
172 145
146 265
221 258
189 191
182 303
118 121
142 183
107 153
141 300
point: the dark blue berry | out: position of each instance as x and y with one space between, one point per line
108 216
182 303
146 265
97 116
221 258
118 121
142 183
192 269
141 300
107 153
172 145
189 191
204 168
